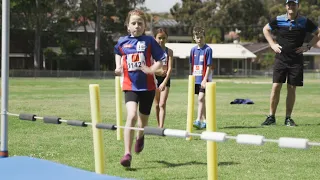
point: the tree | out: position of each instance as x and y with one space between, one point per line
220 15
53 21
113 25
186 14
35 15
97 38
309 8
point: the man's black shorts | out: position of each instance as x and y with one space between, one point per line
290 72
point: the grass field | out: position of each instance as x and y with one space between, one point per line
165 157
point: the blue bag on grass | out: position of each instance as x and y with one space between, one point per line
242 101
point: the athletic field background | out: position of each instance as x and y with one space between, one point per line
167 157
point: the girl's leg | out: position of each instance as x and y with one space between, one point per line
131 122
128 134
162 104
142 122
156 103
145 105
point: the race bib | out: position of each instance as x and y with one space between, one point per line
201 58
134 61
141 46
197 70
165 62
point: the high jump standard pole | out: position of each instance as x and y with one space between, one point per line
5 77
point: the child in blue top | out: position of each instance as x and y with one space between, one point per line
137 58
201 67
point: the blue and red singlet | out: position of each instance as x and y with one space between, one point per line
134 52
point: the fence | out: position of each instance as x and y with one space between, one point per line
241 73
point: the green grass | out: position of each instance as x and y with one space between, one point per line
167 157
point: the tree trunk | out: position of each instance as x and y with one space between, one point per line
84 23
97 39
222 34
37 41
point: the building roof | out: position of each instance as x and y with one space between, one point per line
166 23
220 51
256 47
313 52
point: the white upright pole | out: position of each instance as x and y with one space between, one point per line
4 77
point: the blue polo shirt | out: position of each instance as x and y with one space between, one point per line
290 35
199 59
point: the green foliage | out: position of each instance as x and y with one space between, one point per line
267 59
212 35
249 16
59 22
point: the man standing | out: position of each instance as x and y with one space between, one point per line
291 31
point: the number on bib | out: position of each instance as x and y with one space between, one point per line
134 61
197 70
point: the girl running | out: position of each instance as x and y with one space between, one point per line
133 62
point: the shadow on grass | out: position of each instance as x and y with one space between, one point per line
308 124
168 164
131 169
196 177
241 127
227 163
171 165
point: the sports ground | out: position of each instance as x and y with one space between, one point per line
167 157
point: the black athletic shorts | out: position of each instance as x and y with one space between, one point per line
197 89
290 72
160 79
143 98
